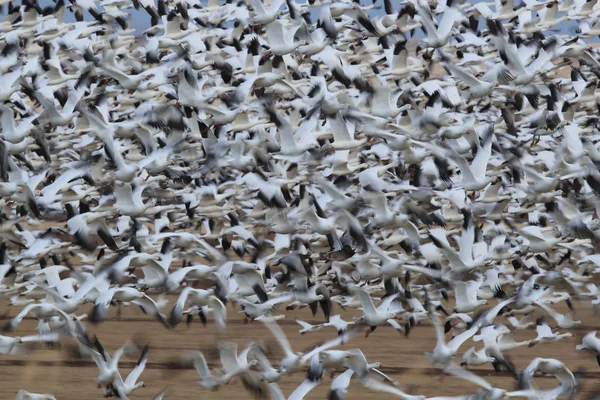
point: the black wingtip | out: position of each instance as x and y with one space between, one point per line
144 354
447 326
260 292
498 292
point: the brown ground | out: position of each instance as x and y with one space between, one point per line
53 371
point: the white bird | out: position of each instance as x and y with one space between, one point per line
313 379
199 297
384 313
437 37
25 395
443 352
592 343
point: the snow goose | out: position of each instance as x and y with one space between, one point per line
340 384
564 321
343 133
545 334
384 103
51 115
123 388
231 361
198 297
437 37
208 380
370 27
466 296
25 395
129 201
292 361
14 345
44 310
476 88
121 295
313 379
398 62
384 313
9 84
281 41
592 343
268 373
262 15
491 392
374 384
15 133
444 352
108 367
474 176
553 367
476 357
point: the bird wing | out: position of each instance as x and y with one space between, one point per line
228 355
275 34
275 5
73 100
179 275
428 23
480 162
279 335
451 15
219 311
155 270
101 304
458 340
340 129
460 292
463 165
374 384
472 290
139 368
177 310
114 73
439 329
301 391
466 77
201 366
341 339
275 392
467 239
395 325
542 59
385 304
150 307
543 330
251 279
366 301
484 10
342 381
469 376
258 6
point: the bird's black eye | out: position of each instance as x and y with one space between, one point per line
536 286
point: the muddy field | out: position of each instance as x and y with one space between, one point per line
54 370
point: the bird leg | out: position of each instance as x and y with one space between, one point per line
371 329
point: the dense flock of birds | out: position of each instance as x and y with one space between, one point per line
259 157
